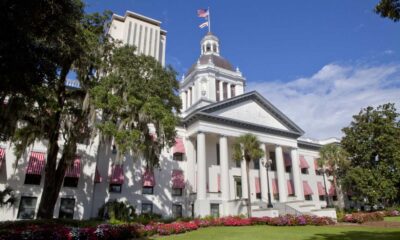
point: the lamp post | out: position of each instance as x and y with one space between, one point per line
323 172
267 164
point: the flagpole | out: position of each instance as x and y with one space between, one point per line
209 20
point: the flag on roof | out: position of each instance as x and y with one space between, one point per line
202 13
203 25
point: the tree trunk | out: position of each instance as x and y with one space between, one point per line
248 188
52 177
339 193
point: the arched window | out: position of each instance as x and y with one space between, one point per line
208 48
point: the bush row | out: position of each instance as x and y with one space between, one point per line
362 217
58 231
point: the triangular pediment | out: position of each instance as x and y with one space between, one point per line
250 109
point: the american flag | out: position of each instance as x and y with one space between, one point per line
202 13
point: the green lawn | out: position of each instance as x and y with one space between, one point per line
289 233
392 219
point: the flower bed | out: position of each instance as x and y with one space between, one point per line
128 231
362 217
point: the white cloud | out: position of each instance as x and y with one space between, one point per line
324 103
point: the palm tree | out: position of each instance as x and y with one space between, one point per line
247 147
334 159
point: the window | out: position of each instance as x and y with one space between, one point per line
33 179
218 160
288 169
334 198
321 197
308 197
304 170
238 184
27 207
177 192
177 210
233 93
214 210
237 164
272 157
71 182
257 164
67 206
225 90
276 197
178 156
147 190
317 172
147 208
258 195
217 90
115 188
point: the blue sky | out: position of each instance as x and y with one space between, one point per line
326 58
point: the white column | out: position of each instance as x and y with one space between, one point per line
224 165
189 97
221 90
193 94
191 165
183 98
296 174
263 175
244 178
201 166
280 171
229 90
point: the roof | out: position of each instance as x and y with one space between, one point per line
205 114
216 60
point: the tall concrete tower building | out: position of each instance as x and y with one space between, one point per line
143 32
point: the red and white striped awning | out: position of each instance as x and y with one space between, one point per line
148 178
36 163
178 147
257 182
321 189
97 176
2 156
178 179
287 159
307 189
74 170
275 186
316 164
117 174
290 187
303 162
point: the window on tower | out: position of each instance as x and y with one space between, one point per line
208 48
217 90
225 87
233 93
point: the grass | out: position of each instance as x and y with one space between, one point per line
289 233
392 219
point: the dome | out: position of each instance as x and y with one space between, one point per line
218 61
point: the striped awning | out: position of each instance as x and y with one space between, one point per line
303 162
97 176
178 147
117 174
178 179
74 170
332 190
307 189
36 163
321 189
290 187
275 186
148 178
316 164
287 159
257 182
2 156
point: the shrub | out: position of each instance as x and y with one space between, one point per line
114 210
362 217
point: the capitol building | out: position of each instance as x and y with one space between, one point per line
197 176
